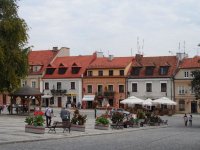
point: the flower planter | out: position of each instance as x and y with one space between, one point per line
101 127
75 127
34 129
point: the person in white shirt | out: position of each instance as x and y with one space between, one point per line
190 120
185 119
48 114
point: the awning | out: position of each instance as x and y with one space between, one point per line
46 96
71 94
88 97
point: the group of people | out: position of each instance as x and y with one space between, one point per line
64 114
186 119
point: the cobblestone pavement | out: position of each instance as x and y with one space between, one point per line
12 128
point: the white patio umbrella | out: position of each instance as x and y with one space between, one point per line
132 101
147 102
164 100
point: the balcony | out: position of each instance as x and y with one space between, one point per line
58 92
99 94
109 94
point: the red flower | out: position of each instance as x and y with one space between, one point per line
38 113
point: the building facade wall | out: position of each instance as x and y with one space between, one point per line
94 82
156 88
184 94
71 94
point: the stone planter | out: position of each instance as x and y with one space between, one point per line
75 127
34 129
101 127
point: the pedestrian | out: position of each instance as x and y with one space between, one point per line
64 114
48 114
185 119
79 105
190 120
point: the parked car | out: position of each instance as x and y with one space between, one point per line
121 110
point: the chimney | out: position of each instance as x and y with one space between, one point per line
55 48
99 54
181 56
138 57
110 57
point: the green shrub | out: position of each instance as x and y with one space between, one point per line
102 120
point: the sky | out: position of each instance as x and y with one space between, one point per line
115 27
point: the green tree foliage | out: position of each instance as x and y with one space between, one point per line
13 37
196 83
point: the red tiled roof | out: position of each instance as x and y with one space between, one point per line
157 62
116 62
40 58
68 62
190 63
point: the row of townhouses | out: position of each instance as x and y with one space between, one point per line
65 79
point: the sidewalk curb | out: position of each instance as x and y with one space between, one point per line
90 134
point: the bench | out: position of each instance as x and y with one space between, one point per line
65 125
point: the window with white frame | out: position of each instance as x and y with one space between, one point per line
24 82
110 88
59 85
192 90
134 87
100 88
46 85
89 88
163 87
148 87
33 84
186 74
181 90
73 85
121 88
181 105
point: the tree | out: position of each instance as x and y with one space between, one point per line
196 83
13 38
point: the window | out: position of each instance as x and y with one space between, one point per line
100 72
59 86
90 73
50 71
192 90
181 105
100 88
134 87
181 90
110 88
62 70
35 68
24 83
135 71
73 85
121 88
46 85
33 84
110 72
89 88
148 87
163 87
163 70
121 72
52 101
149 70
75 70
186 74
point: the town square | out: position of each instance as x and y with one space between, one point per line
99 75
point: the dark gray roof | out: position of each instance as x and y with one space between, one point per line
27 91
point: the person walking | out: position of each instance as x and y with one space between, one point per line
185 119
48 114
64 114
190 120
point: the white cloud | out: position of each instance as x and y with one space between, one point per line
113 25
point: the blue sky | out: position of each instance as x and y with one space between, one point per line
113 26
